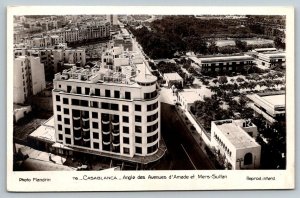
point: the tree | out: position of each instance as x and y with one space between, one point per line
213 48
242 45
222 80
279 43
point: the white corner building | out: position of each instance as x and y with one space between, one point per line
109 111
235 140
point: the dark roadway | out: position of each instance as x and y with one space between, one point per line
183 151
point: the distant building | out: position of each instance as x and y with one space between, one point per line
172 78
187 97
112 19
234 139
29 77
224 63
54 57
270 106
84 33
271 59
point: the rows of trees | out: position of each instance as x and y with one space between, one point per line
179 34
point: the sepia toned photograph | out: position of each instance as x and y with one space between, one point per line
149 94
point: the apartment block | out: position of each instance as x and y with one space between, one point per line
29 78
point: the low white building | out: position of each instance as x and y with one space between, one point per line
187 97
172 78
232 138
271 59
271 107
234 63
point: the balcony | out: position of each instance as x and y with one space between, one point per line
105 122
106 143
116 133
116 144
86 139
86 129
77 128
115 122
76 118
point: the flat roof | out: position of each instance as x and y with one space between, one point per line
271 100
264 49
236 135
173 76
225 58
273 54
45 132
190 96
275 100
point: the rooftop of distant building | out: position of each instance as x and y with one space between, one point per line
225 58
271 99
235 134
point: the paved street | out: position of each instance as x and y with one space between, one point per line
184 151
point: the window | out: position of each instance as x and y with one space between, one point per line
248 159
138 139
151 107
125 119
78 89
84 103
60 136
117 94
66 111
138 129
125 140
59 117
114 107
138 107
94 104
94 115
68 140
95 125
67 121
152 138
65 100
96 145
95 135
127 95
125 108
75 102
57 98
59 127
138 118
126 150
76 113
105 105
152 128
97 92
107 93
125 129
153 117
69 88
152 149
138 150
67 131
58 108
87 91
